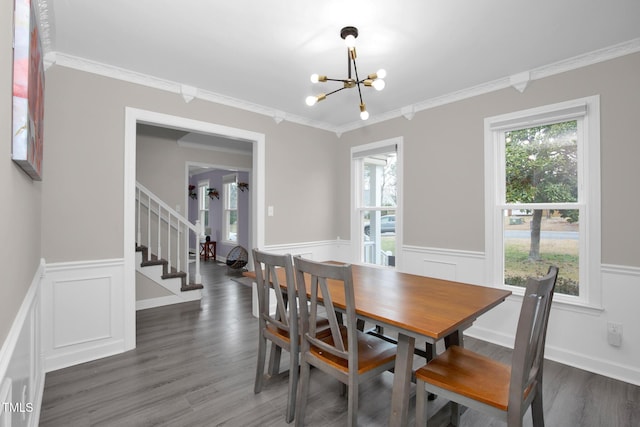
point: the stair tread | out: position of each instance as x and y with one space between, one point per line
174 274
192 287
153 262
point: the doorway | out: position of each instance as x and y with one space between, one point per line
222 204
133 117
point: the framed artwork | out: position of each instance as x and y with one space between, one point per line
28 91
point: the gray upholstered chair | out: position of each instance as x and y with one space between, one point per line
478 382
344 352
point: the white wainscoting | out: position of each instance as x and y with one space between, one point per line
336 250
21 364
577 336
83 311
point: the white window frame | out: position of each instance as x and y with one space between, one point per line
587 112
227 180
203 211
357 228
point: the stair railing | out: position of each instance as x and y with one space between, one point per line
166 231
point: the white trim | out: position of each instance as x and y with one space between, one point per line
356 192
444 252
133 116
162 301
197 146
10 343
25 330
621 269
299 246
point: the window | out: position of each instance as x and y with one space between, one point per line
203 204
376 194
543 198
230 208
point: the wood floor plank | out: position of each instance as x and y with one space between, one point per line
194 366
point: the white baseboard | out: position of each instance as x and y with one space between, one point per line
189 296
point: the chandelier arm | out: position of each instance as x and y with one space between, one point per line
334 91
355 69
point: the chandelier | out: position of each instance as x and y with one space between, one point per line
374 80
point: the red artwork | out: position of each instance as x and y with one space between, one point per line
28 92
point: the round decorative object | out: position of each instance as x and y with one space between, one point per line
237 258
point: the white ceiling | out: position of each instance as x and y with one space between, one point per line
259 54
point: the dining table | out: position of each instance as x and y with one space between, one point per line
414 307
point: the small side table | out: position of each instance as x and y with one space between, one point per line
208 250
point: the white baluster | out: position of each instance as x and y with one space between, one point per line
148 227
185 237
159 228
179 258
169 239
199 232
138 232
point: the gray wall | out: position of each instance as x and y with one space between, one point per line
83 192
444 170
21 197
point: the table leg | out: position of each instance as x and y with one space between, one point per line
402 381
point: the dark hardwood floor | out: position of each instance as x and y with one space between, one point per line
194 365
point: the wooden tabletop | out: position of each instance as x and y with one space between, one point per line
418 305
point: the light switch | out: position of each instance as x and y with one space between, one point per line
270 211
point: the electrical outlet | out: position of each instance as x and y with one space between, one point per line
614 334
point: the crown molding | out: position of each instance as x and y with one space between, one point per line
188 93
518 81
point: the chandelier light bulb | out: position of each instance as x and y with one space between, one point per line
364 114
350 41
315 78
312 100
382 73
378 84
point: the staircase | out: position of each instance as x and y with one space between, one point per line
162 249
